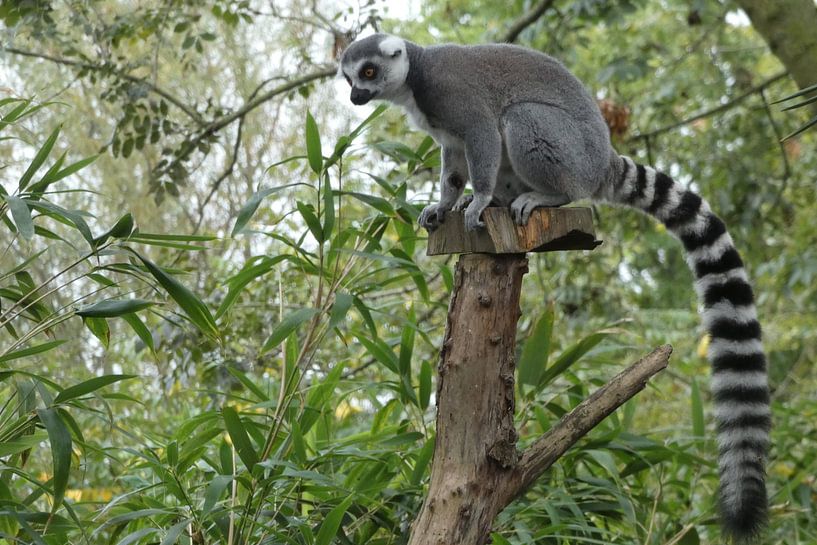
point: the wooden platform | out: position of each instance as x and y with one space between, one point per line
548 230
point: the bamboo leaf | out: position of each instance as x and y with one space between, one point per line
366 122
60 439
535 354
121 229
193 307
571 356
697 411
215 489
328 207
423 458
251 270
238 435
39 159
14 114
381 352
378 203
112 308
313 144
88 386
21 443
36 190
290 322
312 222
22 216
142 236
343 301
247 211
365 314
424 390
331 524
25 352
55 175
141 330
99 327
805 102
407 344
137 535
249 384
801 92
811 122
175 531
68 217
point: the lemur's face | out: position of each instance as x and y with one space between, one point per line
375 67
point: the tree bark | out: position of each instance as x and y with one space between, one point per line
476 437
790 29
477 470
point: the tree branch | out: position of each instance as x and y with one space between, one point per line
526 20
193 114
281 89
714 111
192 143
573 426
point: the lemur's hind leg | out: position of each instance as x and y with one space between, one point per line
550 152
525 203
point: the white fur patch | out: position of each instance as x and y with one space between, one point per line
730 438
649 189
674 194
726 310
697 225
725 380
419 121
733 410
628 181
714 279
712 252
391 45
748 347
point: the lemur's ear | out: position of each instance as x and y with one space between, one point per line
396 53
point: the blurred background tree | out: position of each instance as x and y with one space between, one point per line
284 393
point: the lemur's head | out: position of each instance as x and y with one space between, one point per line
375 67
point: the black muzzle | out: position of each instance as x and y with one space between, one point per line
360 96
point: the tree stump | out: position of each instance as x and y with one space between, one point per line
477 470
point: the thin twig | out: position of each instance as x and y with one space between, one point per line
193 114
222 122
708 113
192 144
233 160
780 144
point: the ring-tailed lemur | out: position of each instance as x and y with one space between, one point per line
526 133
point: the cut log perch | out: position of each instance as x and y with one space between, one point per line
547 230
477 470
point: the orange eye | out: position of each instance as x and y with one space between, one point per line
368 73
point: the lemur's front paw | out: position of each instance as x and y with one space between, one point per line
431 217
472 214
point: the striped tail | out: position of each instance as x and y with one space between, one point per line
739 381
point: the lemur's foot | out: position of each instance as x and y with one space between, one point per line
463 202
472 216
432 217
524 204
